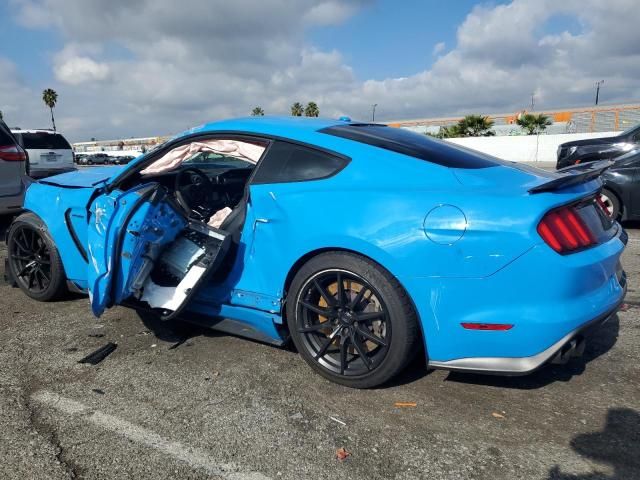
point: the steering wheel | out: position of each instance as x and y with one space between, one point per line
195 193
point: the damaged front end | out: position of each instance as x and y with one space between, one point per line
142 249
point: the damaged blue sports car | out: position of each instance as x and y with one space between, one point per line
363 243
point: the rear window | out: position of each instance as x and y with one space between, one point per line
287 162
5 136
413 144
44 141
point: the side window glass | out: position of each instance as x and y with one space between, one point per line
216 160
288 162
214 153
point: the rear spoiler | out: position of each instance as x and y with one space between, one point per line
574 175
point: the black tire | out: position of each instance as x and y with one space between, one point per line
391 321
34 261
612 203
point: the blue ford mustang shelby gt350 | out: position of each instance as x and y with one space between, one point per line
361 242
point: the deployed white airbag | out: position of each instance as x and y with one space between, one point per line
217 218
233 148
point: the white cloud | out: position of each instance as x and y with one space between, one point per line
438 48
72 67
331 12
208 59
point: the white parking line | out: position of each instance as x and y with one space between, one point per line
191 456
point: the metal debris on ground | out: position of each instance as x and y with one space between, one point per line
338 421
100 354
178 343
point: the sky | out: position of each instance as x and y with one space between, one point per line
153 67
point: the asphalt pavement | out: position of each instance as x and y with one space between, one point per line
177 402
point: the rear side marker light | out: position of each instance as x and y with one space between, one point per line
487 326
12 153
564 231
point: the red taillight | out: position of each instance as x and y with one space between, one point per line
12 153
564 231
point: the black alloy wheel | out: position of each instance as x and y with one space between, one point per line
34 262
351 320
344 324
610 203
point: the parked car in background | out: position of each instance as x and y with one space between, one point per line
80 158
14 166
123 159
97 159
49 152
621 193
591 149
364 244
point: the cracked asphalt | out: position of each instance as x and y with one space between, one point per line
217 406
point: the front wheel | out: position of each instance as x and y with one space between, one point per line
33 259
351 320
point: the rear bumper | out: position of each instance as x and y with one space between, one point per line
571 345
49 172
546 298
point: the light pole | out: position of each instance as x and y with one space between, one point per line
533 100
598 90
373 112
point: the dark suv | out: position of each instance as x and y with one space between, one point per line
581 151
13 167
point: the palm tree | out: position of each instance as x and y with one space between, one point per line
50 97
475 126
297 110
533 124
257 112
451 131
312 110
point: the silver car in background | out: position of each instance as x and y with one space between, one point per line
13 169
49 152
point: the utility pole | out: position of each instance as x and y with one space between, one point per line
373 112
533 100
598 90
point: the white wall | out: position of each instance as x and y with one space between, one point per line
524 148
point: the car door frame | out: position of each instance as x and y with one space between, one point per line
119 185
256 297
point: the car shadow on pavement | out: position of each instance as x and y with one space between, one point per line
176 331
597 345
617 445
416 370
634 224
5 221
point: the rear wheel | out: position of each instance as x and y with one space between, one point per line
611 203
351 320
34 262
